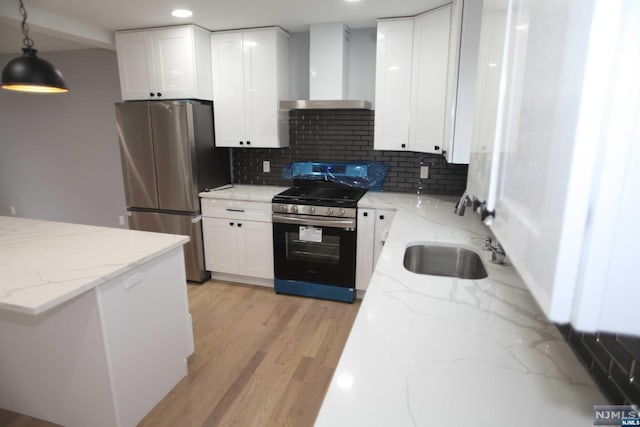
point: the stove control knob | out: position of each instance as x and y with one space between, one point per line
341 212
283 208
329 211
312 210
294 209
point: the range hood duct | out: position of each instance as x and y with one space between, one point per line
328 70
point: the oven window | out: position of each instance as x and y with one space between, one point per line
325 252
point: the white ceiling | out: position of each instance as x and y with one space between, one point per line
111 15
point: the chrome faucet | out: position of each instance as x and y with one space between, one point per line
462 203
497 252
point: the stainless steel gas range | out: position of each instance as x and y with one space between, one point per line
314 237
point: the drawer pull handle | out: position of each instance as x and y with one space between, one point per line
235 210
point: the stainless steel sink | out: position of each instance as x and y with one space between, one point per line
448 261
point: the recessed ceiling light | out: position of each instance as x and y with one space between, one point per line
181 13
351 1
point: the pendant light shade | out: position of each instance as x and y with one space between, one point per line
28 73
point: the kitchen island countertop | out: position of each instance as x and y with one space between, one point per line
44 263
439 351
83 311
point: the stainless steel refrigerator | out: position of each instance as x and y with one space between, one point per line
168 157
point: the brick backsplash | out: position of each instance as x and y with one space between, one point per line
345 135
612 360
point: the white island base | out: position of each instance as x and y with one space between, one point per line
105 357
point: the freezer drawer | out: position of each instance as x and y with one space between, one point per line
188 225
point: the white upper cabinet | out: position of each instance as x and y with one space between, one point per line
429 80
466 20
164 63
228 84
394 53
481 184
417 81
556 156
250 77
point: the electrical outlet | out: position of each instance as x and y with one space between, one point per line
121 219
424 172
13 210
266 166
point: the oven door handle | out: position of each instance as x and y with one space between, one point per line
317 221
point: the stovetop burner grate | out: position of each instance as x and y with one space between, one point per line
321 195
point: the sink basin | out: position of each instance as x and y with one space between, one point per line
447 261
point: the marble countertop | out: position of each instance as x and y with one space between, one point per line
44 263
256 193
439 351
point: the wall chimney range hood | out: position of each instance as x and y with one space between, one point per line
328 70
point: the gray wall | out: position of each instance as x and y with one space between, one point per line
59 157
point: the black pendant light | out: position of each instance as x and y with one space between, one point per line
28 73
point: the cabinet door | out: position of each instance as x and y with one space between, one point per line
220 245
364 254
175 65
429 80
228 88
260 88
608 293
393 84
483 164
539 222
384 218
144 314
135 64
255 249
462 89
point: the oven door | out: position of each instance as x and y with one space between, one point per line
315 249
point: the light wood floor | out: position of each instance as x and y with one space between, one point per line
261 360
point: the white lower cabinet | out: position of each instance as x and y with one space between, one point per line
220 244
373 227
383 220
238 247
238 240
364 249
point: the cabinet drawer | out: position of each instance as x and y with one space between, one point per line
236 209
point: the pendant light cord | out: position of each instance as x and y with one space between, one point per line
28 43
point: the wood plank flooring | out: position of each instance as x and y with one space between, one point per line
261 360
